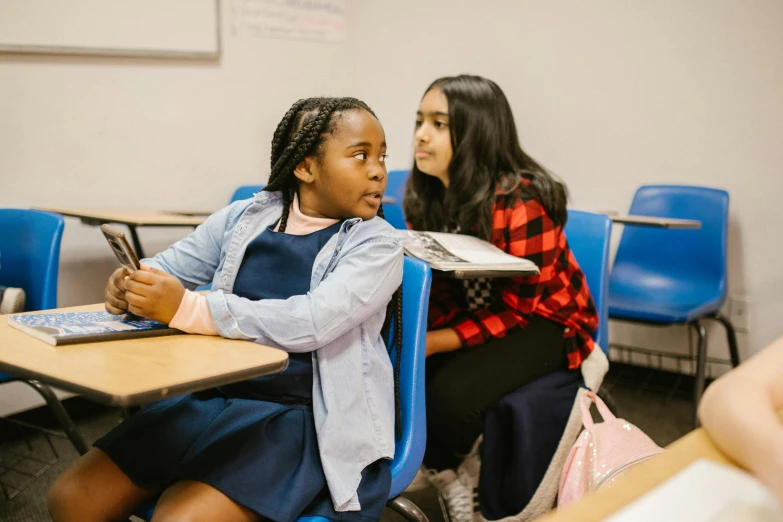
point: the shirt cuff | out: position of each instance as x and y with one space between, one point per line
193 315
469 333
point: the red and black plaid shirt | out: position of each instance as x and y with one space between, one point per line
521 227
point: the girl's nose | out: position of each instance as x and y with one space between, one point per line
376 172
421 134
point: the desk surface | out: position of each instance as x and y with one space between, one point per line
136 371
143 217
652 221
136 217
643 478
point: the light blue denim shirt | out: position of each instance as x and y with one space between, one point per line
339 321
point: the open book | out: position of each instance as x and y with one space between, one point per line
58 328
705 491
463 256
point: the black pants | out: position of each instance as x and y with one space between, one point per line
462 385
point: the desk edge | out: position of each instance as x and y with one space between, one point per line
141 397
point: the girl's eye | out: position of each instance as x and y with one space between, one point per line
418 123
362 156
440 124
383 158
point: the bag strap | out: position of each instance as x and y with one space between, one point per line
587 419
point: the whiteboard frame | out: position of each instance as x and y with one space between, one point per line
121 52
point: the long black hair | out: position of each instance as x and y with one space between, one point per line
301 133
486 154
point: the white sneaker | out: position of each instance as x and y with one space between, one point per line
11 300
455 495
468 473
422 480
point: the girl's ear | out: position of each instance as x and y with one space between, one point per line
304 171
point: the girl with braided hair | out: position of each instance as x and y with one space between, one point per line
306 266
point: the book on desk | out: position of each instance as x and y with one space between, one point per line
462 256
59 328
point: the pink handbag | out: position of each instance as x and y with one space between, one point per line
603 452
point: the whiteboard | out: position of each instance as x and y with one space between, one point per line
147 28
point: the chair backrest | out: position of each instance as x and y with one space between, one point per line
245 192
409 452
395 184
30 254
588 236
676 258
395 188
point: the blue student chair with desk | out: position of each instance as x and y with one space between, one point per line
664 277
29 259
409 448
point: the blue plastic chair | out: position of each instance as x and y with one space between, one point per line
395 188
29 259
409 451
588 236
664 277
245 192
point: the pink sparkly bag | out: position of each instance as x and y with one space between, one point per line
603 452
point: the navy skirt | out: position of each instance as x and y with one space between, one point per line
261 454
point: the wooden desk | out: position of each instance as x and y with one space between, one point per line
136 371
643 478
131 218
651 221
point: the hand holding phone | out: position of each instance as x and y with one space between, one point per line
114 295
114 299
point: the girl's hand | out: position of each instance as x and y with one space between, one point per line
153 294
445 340
114 295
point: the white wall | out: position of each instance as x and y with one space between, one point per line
611 95
83 132
149 133
607 94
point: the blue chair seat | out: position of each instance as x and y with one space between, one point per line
636 294
659 312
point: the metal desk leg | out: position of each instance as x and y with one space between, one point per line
61 415
136 242
701 369
407 509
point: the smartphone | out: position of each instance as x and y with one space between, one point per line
122 249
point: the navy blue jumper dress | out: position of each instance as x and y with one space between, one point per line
254 441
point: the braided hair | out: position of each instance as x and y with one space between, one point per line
302 133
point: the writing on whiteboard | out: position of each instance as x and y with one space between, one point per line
299 19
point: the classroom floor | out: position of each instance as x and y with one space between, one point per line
654 401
